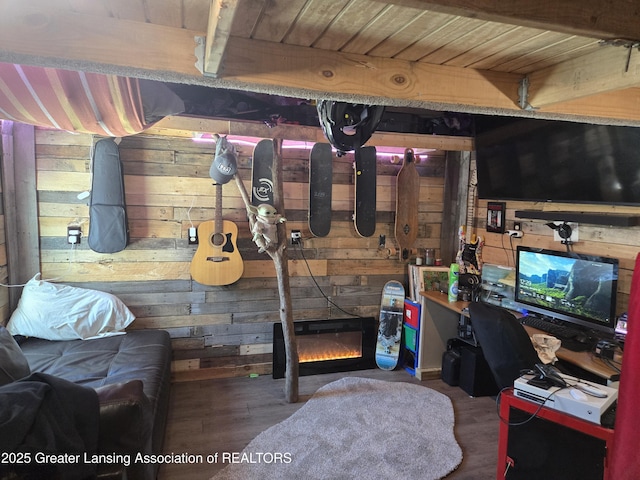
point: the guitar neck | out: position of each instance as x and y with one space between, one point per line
217 221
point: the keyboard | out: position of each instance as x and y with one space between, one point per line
567 335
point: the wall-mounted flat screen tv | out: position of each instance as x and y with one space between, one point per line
557 161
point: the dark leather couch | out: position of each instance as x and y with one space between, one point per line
131 374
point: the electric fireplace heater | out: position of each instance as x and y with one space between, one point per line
325 346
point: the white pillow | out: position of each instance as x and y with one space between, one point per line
62 312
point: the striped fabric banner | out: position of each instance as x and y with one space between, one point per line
69 100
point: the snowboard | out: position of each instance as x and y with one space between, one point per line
262 173
320 186
390 325
365 191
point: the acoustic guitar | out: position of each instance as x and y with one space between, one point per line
217 260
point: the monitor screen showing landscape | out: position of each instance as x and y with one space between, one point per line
577 288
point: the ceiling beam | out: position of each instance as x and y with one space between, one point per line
323 74
219 28
604 71
589 18
620 104
186 126
38 33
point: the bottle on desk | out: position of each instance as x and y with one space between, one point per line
454 271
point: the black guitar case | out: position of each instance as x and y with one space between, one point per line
108 226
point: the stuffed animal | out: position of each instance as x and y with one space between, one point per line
264 229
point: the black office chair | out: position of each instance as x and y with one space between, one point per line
505 343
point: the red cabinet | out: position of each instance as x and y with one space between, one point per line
549 444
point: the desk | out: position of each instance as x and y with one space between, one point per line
598 439
439 323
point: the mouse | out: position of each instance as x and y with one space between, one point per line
581 337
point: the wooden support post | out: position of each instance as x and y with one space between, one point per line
278 253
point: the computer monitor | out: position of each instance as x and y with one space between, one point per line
576 288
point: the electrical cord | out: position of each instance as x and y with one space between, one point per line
523 422
331 302
506 252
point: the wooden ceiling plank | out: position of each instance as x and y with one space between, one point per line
478 35
195 14
277 19
557 53
164 12
345 25
523 46
247 17
410 34
600 72
433 40
128 10
98 9
313 20
37 32
590 18
387 23
489 47
218 30
450 38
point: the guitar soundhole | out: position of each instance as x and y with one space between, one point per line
218 239
223 240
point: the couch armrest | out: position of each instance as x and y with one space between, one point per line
125 418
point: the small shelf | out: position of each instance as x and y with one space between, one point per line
615 220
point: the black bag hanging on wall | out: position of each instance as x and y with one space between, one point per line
108 226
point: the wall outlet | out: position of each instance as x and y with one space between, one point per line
296 237
73 235
574 233
192 236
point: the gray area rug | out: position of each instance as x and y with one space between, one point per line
356 428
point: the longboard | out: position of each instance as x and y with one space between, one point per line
407 198
320 186
262 173
365 191
390 327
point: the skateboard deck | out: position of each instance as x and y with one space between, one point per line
390 327
365 191
407 198
262 173
320 186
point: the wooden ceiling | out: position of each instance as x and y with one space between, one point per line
458 55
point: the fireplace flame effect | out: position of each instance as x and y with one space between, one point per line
314 348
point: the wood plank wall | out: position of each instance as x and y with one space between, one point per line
220 331
616 242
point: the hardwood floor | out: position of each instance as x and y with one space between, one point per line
224 415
